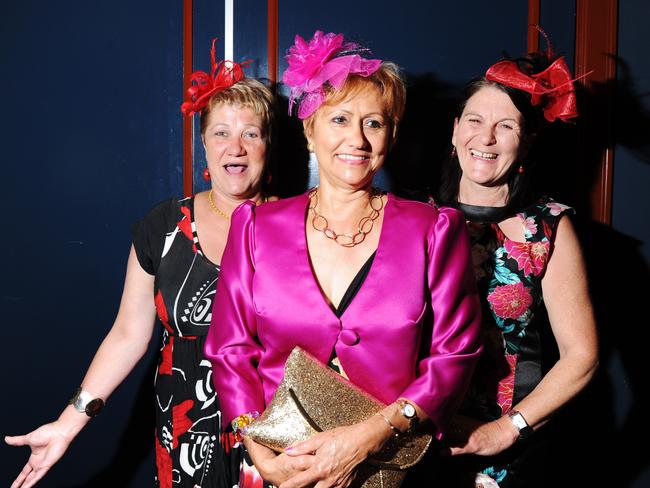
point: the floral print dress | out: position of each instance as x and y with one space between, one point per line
509 277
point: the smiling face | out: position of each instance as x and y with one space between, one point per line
350 139
489 139
235 149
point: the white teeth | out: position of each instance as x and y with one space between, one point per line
351 157
483 155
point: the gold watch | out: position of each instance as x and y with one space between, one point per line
409 413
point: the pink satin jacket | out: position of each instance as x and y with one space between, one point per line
411 330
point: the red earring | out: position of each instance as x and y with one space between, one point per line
206 174
521 169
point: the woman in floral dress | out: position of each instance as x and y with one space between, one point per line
172 271
530 274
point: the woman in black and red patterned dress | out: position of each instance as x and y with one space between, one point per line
530 275
172 272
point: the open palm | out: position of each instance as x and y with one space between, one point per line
48 443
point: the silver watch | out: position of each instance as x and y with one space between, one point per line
520 424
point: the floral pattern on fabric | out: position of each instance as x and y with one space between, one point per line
511 274
509 277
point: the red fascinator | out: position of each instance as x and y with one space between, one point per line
223 75
552 88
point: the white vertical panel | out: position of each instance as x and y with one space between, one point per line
228 30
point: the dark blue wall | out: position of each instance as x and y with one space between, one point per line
91 139
631 224
632 168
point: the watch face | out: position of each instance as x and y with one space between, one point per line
408 410
520 423
94 407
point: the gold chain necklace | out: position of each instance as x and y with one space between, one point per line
217 209
221 212
364 227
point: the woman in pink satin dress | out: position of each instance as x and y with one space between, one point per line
380 288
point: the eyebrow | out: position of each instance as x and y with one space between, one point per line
224 124
381 114
500 120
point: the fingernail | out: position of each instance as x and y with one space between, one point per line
288 449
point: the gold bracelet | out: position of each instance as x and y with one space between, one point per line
395 430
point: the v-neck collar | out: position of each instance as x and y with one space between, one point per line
324 299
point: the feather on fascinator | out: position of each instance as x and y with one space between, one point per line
552 88
326 58
223 75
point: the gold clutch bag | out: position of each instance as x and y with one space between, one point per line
313 398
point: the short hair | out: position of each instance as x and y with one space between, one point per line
249 93
386 79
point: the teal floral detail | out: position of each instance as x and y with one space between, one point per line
512 347
524 320
501 324
503 275
496 475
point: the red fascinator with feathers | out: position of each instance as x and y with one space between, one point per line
223 75
551 88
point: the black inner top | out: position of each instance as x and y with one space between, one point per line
354 287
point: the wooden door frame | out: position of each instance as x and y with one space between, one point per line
596 51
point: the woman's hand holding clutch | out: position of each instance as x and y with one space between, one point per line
336 453
276 468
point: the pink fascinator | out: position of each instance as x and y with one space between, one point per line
326 58
223 75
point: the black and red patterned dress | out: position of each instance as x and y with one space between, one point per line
190 448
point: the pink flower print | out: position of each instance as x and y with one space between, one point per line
556 208
510 301
530 227
506 389
530 256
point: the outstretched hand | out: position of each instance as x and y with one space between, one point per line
48 443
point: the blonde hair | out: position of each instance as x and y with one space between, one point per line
386 79
249 93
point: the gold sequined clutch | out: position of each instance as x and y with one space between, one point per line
313 398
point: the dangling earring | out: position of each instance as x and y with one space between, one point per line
521 169
452 154
206 174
